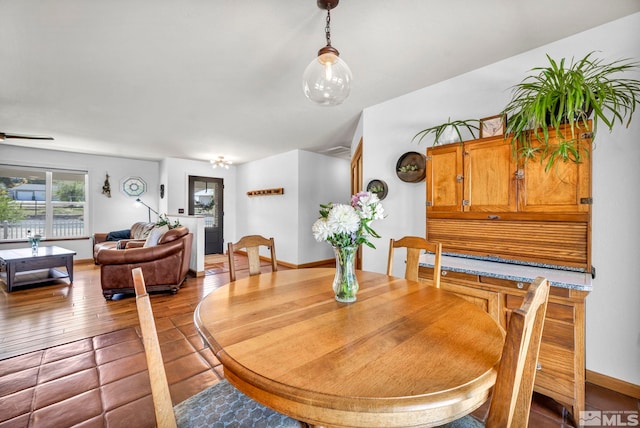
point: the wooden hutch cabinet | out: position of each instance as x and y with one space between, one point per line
561 365
483 176
484 204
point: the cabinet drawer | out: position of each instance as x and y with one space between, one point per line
555 311
556 361
516 285
40 263
457 275
555 374
427 273
555 333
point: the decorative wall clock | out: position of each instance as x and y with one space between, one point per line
133 186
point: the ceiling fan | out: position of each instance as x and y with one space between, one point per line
6 135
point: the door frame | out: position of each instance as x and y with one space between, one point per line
219 205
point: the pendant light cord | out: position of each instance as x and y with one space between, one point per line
327 28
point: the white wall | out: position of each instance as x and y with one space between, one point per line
177 188
308 179
322 179
613 320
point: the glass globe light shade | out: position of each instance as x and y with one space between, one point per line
327 80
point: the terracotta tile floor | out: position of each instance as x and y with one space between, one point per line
102 381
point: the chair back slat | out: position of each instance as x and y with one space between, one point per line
511 399
252 244
163 406
415 245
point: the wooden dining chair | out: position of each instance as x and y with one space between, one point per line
219 405
415 245
252 244
511 397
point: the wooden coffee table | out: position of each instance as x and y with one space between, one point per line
21 267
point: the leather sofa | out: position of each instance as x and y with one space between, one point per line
121 238
164 266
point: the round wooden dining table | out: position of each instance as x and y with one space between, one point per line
405 354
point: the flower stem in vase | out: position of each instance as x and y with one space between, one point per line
345 282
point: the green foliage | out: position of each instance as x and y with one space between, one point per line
72 191
457 125
8 210
560 94
408 168
164 220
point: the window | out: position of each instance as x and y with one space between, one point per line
49 202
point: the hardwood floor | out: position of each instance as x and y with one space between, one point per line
68 357
50 315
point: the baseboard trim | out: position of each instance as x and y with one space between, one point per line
196 274
621 386
316 264
295 266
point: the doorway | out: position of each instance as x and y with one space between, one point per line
356 186
205 199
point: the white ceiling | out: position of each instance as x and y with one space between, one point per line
197 79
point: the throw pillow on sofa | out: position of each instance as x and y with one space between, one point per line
155 235
117 235
142 230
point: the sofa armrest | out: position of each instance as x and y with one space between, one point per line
138 255
99 237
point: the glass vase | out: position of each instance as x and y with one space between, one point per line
34 245
345 283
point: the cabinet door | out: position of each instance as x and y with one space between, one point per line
444 178
564 188
489 179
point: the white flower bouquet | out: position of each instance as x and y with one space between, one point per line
349 225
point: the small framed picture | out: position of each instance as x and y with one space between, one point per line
492 126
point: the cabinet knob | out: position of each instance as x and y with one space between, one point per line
443 273
459 178
538 366
519 174
520 285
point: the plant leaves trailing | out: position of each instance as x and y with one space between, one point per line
561 94
438 130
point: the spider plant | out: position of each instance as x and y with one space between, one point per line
456 125
559 99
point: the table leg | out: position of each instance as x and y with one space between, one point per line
11 275
69 260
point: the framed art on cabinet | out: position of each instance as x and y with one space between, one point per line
492 126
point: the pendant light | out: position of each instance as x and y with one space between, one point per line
327 79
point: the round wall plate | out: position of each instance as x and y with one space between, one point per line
133 186
378 187
411 167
